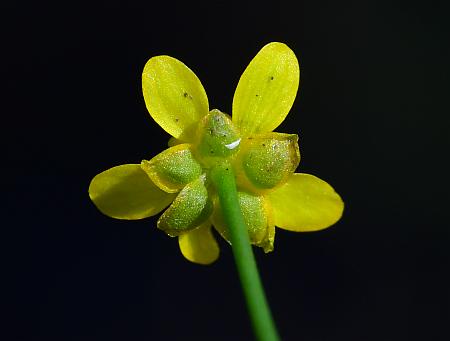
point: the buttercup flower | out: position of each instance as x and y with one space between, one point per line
270 193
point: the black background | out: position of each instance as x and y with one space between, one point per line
372 115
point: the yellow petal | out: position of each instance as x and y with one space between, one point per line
305 203
266 90
199 245
173 169
126 192
174 96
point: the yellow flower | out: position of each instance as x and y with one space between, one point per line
270 193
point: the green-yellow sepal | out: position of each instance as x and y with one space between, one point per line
257 216
266 161
217 137
190 208
173 169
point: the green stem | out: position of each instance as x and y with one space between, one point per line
260 315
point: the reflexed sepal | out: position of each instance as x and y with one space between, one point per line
217 137
189 209
257 215
173 169
267 160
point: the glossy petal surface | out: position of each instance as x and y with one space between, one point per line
266 90
267 160
190 208
199 245
173 169
174 96
257 216
305 203
126 192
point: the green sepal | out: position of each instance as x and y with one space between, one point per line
173 169
190 208
257 215
217 137
267 160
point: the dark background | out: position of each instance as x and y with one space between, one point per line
372 114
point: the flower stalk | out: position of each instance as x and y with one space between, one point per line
263 324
